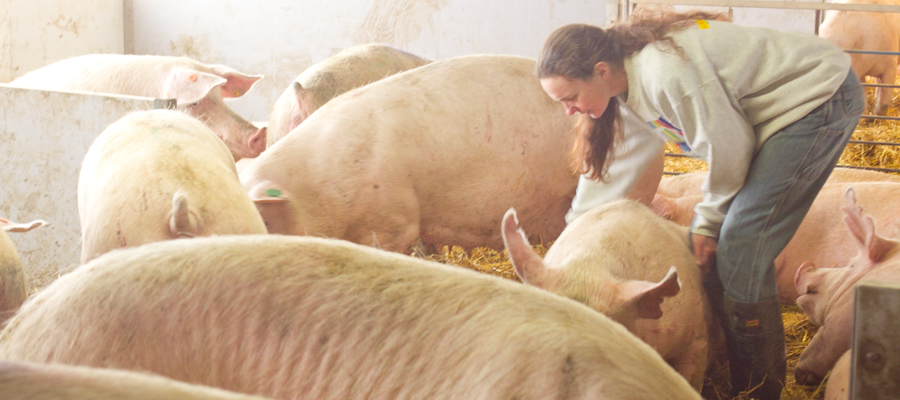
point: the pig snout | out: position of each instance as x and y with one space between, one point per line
806 377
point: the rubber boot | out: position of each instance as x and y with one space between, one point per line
754 333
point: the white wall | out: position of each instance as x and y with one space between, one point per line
34 33
280 38
44 137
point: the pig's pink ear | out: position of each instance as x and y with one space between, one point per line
257 141
237 83
10 226
646 297
306 104
863 229
188 86
528 265
663 206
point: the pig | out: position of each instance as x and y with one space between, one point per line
437 154
838 386
159 175
33 381
12 276
349 69
819 238
198 88
317 318
623 260
688 184
872 31
827 294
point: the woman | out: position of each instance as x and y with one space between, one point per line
769 111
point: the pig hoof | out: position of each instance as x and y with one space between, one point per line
806 377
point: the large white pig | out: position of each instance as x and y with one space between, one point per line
439 153
838 387
349 69
872 31
198 88
13 290
159 175
33 381
827 294
689 184
821 238
312 318
623 260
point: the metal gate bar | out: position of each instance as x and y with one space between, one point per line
773 4
883 53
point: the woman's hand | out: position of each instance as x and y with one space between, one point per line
705 249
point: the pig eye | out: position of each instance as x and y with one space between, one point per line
812 289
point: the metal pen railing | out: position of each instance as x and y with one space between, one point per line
626 6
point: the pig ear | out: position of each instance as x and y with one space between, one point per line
647 296
267 192
306 104
10 226
257 141
862 227
189 86
182 222
663 206
237 83
528 265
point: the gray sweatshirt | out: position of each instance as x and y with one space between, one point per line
733 88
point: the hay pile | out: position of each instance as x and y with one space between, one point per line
798 329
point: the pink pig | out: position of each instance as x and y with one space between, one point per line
12 276
623 261
689 184
827 294
838 387
310 318
819 239
198 88
873 31
35 381
436 154
159 175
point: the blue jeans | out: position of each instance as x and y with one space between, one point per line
783 180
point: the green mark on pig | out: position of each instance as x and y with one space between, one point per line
273 192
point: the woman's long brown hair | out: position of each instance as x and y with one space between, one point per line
573 50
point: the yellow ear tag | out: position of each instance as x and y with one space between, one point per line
236 93
192 78
702 24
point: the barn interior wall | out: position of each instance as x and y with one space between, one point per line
280 38
34 33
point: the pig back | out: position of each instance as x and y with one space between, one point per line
135 75
626 241
293 317
133 170
349 69
32 381
448 146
